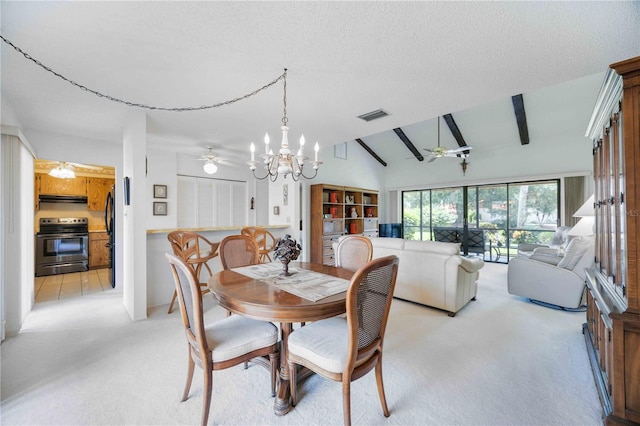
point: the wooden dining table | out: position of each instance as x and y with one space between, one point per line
256 299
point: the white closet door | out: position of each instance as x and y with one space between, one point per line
208 203
187 191
223 203
239 212
205 203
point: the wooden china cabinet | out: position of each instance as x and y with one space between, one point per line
612 330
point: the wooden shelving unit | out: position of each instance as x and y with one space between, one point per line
337 211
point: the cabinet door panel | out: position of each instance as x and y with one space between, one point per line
57 186
97 190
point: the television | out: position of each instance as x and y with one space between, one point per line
390 230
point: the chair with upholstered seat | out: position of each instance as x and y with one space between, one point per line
196 251
238 250
228 342
265 239
346 349
353 252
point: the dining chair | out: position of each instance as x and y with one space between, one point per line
353 252
238 250
265 239
222 344
345 349
196 251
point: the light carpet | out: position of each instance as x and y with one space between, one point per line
500 361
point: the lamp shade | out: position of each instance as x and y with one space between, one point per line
584 227
586 209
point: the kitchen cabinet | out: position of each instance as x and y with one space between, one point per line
98 252
97 190
51 185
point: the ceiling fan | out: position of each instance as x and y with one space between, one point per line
441 151
212 160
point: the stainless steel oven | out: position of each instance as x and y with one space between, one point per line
62 246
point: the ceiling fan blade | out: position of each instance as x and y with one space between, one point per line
225 162
85 166
462 148
432 160
427 149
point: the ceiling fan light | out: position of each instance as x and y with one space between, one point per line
61 172
210 167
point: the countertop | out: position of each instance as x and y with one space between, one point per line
219 228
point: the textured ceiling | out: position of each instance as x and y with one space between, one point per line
416 60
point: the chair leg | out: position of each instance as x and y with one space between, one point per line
383 399
185 395
346 400
293 383
207 394
273 360
173 300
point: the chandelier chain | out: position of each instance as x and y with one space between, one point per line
284 117
151 107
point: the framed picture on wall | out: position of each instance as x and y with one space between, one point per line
159 191
159 208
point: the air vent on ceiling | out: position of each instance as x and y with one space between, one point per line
379 113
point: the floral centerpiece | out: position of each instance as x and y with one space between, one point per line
287 249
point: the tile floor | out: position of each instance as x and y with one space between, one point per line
63 286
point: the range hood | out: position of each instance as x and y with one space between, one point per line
68 199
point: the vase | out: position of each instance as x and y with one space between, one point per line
285 268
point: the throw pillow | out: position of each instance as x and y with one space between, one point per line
574 251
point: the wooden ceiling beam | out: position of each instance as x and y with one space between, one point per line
521 118
409 144
370 151
455 131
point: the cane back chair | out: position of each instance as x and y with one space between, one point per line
346 349
238 250
222 344
353 252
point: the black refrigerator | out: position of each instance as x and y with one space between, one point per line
110 226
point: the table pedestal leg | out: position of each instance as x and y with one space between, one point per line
282 404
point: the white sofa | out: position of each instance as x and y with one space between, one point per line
432 273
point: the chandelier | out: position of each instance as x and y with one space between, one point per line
63 171
285 163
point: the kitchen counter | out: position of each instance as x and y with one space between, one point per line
218 228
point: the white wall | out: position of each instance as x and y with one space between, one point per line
161 170
134 238
17 253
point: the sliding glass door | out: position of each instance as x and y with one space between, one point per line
498 217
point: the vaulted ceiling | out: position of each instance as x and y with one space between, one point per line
415 60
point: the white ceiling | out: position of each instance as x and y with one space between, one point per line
416 60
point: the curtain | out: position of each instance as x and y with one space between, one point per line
573 198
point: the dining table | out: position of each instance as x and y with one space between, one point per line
260 299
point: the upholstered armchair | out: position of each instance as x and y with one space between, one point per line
557 280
